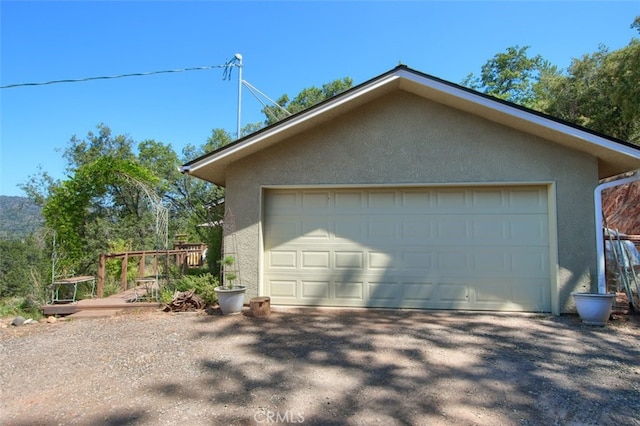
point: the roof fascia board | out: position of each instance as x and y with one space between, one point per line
399 74
513 111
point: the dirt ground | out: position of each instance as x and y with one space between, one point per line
321 367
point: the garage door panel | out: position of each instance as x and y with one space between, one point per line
349 291
349 201
282 259
316 200
281 231
488 228
315 259
381 260
441 248
527 200
450 200
488 201
284 290
511 262
533 295
453 261
383 292
382 201
281 202
414 228
497 290
421 291
416 259
451 292
529 263
452 229
491 260
415 200
528 293
349 260
350 228
381 228
315 290
316 228
441 296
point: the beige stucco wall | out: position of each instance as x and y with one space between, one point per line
404 139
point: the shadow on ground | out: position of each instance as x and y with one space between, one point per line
397 367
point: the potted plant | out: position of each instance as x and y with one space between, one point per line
593 308
230 295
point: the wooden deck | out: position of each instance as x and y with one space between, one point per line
101 307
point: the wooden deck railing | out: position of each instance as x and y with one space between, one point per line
185 258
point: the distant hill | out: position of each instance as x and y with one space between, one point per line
19 217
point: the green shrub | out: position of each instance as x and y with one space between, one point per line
166 295
111 286
26 307
197 271
202 284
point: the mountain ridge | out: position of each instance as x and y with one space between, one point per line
19 217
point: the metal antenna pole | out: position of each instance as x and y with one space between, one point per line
239 65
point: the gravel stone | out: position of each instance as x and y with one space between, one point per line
321 366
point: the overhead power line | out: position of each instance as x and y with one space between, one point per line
138 74
253 91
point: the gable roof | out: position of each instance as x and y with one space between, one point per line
614 156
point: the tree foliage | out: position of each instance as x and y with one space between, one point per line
24 267
98 203
601 91
305 99
514 76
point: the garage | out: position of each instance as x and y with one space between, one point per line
408 191
444 247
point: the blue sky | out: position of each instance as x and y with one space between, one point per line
286 47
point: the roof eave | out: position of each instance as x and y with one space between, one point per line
614 156
286 128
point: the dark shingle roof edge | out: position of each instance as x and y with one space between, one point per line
403 67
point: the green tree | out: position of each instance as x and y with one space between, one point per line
305 99
104 197
96 205
636 24
601 91
204 200
23 268
515 76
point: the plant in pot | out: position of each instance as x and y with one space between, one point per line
230 295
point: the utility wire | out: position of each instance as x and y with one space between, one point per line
267 110
233 62
139 74
252 89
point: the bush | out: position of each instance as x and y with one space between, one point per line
197 271
20 262
202 284
26 307
110 287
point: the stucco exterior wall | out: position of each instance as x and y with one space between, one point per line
405 139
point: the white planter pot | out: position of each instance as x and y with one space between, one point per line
594 308
230 300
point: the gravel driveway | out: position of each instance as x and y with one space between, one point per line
328 367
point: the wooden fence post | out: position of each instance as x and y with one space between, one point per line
123 273
102 261
155 263
141 267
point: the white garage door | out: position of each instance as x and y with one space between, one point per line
478 248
